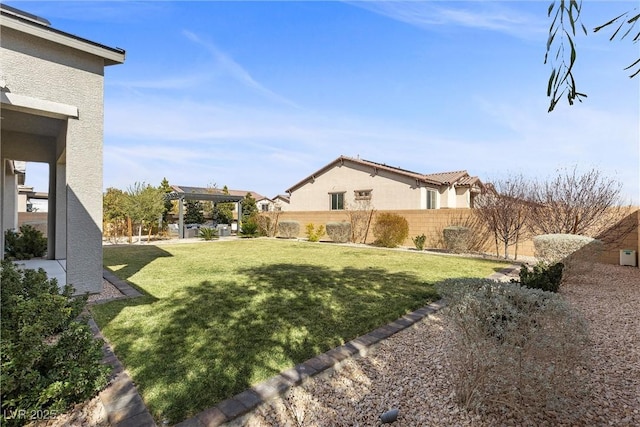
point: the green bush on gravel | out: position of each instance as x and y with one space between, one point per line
50 359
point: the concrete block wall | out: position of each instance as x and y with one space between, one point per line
432 222
38 220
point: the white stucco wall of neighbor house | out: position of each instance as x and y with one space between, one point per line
46 72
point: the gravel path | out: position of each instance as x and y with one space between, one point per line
408 371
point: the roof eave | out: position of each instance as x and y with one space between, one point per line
111 56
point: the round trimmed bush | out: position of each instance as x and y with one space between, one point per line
390 230
289 229
456 238
339 232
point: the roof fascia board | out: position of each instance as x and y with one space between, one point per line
112 56
40 107
312 177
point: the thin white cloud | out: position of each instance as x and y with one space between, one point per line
236 71
490 16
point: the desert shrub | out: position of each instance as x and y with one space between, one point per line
249 228
577 253
265 225
456 238
419 241
542 276
288 229
339 232
208 233
390 230
314 233
514 350
27 244
50 359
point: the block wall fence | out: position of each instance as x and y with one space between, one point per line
38 220
432 222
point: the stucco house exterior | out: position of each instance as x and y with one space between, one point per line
281 202
352 182
52 100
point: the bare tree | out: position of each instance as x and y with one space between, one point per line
268 220
360 215
589 204
503 207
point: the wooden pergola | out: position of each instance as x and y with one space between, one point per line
195 193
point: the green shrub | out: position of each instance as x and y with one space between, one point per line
289 229
390 230
339 232
249 228
457 238
314 233
515 349
208 233
542 276
50 359
28 243
419 241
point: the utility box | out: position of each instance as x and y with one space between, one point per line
224 230
628 257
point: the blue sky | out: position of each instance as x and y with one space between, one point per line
258 95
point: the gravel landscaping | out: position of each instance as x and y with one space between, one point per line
408 371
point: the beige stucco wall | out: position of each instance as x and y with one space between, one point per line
9 198
41 69
390 191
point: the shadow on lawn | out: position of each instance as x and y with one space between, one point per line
139 256
209 342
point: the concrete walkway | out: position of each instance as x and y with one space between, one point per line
55 268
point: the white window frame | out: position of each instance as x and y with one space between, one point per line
339 196
431 199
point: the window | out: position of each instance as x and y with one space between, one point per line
431 199
337 201
363 194
265 207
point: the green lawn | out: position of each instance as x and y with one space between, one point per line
218 317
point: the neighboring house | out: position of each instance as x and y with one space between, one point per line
51 91
281 202
32 201
277 204
265 204
352 183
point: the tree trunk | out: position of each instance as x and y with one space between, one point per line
140 234
129 230
506 249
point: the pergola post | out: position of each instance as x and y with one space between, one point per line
180 218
